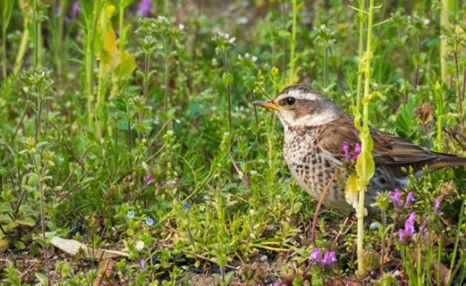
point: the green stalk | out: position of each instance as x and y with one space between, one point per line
38 28
364 141
60 29
455 247
293 42
24 39
7 11
360 54
326 65
444 23
91 24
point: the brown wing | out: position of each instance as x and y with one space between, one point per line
388 149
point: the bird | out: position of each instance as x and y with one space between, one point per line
315 130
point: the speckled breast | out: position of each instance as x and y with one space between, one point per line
312 170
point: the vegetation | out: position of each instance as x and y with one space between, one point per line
127 126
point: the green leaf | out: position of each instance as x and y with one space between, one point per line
27 221
43 280
406 124
5 208
125 67
365 167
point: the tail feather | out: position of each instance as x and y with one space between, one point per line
448 161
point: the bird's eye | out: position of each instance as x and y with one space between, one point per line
290 100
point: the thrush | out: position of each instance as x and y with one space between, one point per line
315 129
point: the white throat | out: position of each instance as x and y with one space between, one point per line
309 120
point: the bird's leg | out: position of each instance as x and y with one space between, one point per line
316 213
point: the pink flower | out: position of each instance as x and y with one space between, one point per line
437 204
142 262
315 255
409 198
329 257
148 178
357 150
74 10
409 224
144 8
395 198
401 235
423 228
346 149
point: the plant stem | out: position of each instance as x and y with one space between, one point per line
455 247
91 23
325 65
42 213
444 24
293 43
360 54
38 38
364 143
7 11
24 39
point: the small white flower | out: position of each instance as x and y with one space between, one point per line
254 58
426 21
181 27
232 40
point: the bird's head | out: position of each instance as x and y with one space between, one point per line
300 105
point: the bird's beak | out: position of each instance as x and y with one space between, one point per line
267 103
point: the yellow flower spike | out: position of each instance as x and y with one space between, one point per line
351 190
109 11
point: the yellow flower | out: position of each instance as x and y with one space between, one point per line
274 71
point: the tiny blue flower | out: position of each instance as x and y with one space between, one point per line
149 221
130 214
186 206
374 225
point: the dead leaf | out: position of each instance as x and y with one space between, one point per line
73 247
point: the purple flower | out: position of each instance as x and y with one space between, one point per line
436 204
357 150
315 255
186 206
401 235
395 198
346 149
409 198
149 221
142 262
423 228
409 224
148 178
74 10
329 257
144 8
